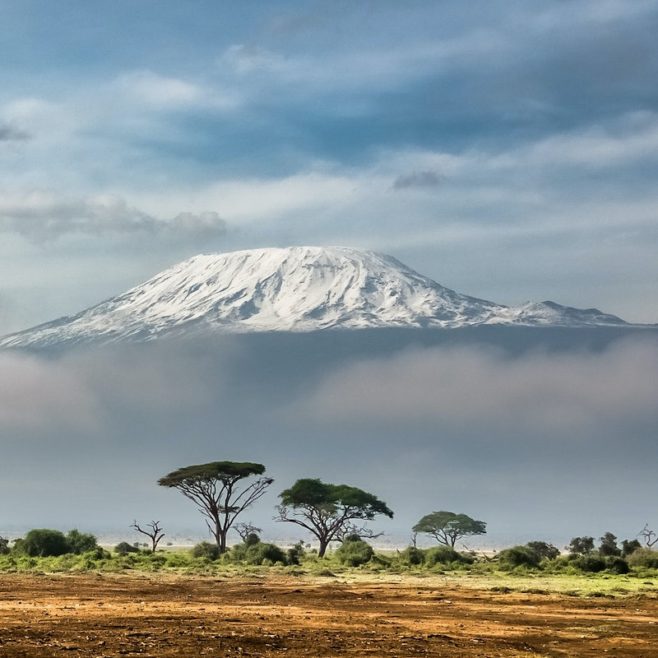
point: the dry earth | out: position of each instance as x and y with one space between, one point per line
99 616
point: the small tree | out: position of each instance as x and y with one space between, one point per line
153 531
327 510
4 546
448 527
629 546
215 490
581 546
609 546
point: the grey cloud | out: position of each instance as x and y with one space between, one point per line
418 179
39 219
10 134
87 392
482 389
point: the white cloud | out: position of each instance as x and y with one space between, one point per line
161 92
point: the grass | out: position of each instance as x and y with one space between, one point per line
480 575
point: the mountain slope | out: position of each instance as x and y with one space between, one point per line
293 289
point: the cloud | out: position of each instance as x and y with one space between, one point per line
10 134
418 179
87 393
37 395
165 92
40 217
483 391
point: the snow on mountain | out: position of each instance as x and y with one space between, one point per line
293 289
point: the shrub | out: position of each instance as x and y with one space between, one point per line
260 552
4 546
616 564
206 550
518 556
251 539
589 563
43 542
79 542
644 557
354 552
444 555
543 550
123 548
295 554
412 556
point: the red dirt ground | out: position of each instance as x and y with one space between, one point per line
101 616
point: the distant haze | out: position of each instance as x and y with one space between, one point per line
539 432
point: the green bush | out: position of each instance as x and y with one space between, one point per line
518 556
354 552
260 552
412 556
43 542
4 546
445 555
123 548
206 550
644 557
543 550
589 563
79 542
616 564
295 554
251 539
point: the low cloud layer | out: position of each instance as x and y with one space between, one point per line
484 390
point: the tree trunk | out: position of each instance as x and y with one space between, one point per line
222 542
323 547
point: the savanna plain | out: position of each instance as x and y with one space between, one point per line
172 605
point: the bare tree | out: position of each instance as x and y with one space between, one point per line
649 536
246 531
215 490
153 531
354 530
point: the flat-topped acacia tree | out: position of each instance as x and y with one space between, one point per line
448 527
218 492
328 510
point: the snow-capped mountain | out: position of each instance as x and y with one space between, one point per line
293 289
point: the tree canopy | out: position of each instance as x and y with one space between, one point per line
329 511
448 527
214 488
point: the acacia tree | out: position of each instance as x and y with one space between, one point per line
216 491
448 527
329 511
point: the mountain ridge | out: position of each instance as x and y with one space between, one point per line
294 289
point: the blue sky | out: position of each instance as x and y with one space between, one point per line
507 149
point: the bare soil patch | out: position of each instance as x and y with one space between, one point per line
105 615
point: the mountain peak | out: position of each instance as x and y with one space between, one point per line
289 289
